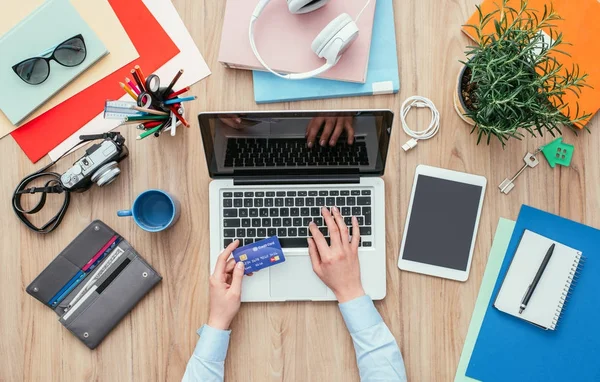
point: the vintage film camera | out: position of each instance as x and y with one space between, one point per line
99 165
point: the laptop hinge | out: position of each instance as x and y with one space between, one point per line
304 179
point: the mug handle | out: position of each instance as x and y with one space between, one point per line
124 213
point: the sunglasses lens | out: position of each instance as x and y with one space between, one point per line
34 71
71 52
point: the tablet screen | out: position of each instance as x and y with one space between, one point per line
442 222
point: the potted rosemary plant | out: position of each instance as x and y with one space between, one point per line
513 82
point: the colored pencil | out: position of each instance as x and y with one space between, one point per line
178 92
137 80
140 73
149 111
132 86
179 100
170 87
128 90
151 124
179 117
149 132
123 122
173 124
146 118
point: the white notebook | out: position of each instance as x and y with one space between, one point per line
548 300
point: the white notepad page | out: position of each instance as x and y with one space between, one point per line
546 303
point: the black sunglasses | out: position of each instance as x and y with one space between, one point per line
36 70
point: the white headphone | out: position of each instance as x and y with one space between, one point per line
329 44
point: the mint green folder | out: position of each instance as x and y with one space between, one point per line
501 240
49 25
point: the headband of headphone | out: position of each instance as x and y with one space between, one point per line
295 6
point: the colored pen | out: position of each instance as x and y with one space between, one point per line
140 73
100 252
179 117
179 100
149 111
170 87
149 132
178 92
128 90
110 260
536 279
149 125
81 301
132 85
138 81
106 253
64 291
146 118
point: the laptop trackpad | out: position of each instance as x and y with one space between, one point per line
295 280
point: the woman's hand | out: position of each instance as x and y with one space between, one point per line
225 289
337 265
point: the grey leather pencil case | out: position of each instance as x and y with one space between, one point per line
94 282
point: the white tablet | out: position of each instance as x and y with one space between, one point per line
441 226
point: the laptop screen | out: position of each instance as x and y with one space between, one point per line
296 142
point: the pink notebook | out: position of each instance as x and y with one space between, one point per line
284 39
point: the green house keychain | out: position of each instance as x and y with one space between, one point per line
558 152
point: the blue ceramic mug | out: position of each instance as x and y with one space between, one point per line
154 210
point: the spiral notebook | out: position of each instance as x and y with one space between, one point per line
548 300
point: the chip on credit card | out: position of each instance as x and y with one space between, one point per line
260 255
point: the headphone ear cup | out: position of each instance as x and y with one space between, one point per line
304 6
329 32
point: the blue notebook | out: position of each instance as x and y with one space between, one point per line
52 23
382 74
510 349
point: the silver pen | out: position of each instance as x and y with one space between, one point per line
110 260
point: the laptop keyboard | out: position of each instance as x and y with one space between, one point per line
255 215
293 152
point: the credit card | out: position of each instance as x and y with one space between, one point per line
260 255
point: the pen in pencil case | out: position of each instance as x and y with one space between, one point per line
64 291
100 253
110 260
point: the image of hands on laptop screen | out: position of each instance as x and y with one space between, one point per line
296 141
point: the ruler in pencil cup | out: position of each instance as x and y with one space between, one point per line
120 109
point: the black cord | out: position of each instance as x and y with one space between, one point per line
52 186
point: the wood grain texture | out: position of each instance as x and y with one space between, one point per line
284 341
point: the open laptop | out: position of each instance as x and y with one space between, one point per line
268 182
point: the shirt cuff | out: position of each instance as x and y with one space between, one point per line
360 314
213 344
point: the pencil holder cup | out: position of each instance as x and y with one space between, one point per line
155 109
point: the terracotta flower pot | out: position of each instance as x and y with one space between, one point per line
459 103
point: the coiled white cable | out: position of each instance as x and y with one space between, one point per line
429 132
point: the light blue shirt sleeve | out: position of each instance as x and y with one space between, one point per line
207 364
377 353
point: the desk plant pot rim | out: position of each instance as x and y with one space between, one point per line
459 102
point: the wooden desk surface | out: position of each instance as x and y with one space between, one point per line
284 341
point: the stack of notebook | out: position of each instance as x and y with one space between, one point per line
553 337
368 67
26 73
148 33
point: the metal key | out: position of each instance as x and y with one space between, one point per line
530 161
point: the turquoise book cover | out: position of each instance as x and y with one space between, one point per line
36 36
382 74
